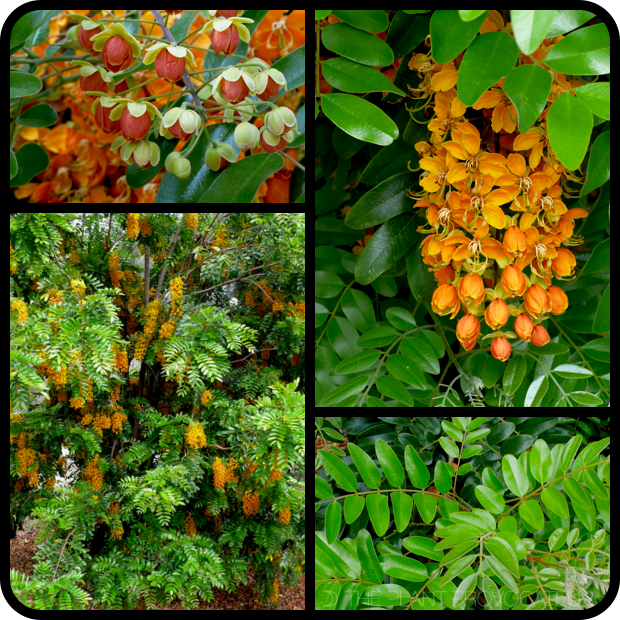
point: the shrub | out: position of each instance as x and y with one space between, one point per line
490 513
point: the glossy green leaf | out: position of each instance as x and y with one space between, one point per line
339 471
491 500
357 362
583 52
321 14
422 546
370 20
476 422
350 388
515 476
504 553
420 279
473 526
392 467
443 477
377 506
326 595
540 461
322 490
532 514
500 433
426 505
450 35
353 506
386 247
459 551
489 479
356 45
465 588
503 573
530 28
449 447
567 20
459 566
569 147
421 352
392 388
343 558
555 502
577 493
404 568
445 594
595 484
569 452
405 370
333 521
597 97
558 538
417 470
477 435
455 541
365 465
350 595
491 593
327 285
377 337
359 118
402 503
374 402
489 58
371 569
468 16
452 431
528 87
471 451
353 77
587 516
389 595
599 164
324 567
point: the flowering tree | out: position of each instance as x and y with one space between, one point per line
186 94
173 411
508 115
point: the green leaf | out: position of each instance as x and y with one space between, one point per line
595 484
31 160
452 431
350 595
476 435
459 566
421 352
369 20
473 520
404 568
422 546
468 16
565 21
540 461
489 58
379 512
377 337
426 505
532 514
515 476
569 452
326 595
443 477
569 147
458 551
316 109
465 589
456 540
392 467
356 45
504 553
471 451
417 470
492 501
421 281
343 558
528 87
371 569
464 527
353 506
385 596
450 35
503 573
327 285
599 164
400 318
365 465
350 388
404 369
538 388
333 521
558 538
575 491
322 490
324 567
475 423
583 52
359 118
530 28
371 401
555 502
393 388
339 471
491 593
402 504
386 247
597 97
357 362
321 14
353 77
449 447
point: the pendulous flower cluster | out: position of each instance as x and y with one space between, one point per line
251 503
494 208
221 474
195 437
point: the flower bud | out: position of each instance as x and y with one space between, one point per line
93 83
234 92
181 123
496 314
281 120
500 349
515 241
471 289
563 265
145 154
225 42
102 118
270 90
117 55
537 301
169 67
227 14
513 281
219 156
445 300
135 128
540 336
559 300
173 12
247 136
467 331
87 31
270 142
179 166
523 326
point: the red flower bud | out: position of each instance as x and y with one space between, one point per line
227 14
94 83
177 131
524 327
117 54
500 349
173 12
102 118
169 67
85 36
272 149
234 92
271 91
225 42
540 336
134 128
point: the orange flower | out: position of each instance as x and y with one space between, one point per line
523 326
540 336
446 300
559 300
515 241
537 301
496 315
471 289
500 349
467 331
513 281
564 264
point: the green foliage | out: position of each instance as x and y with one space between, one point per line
507 514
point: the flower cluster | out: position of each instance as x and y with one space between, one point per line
221 474
132 225
285 517
251 503
22 310
191 221
122 363
93 475
492 262
190 526
78 286
167 329
195 437
176 296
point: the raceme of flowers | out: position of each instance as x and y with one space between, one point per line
494 209
196 438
